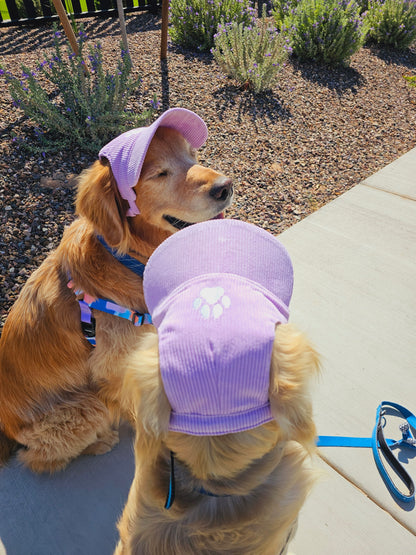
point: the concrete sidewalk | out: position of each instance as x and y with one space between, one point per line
355 296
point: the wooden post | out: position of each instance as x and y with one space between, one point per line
69 32
164 38
122 24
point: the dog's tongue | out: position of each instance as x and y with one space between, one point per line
219 216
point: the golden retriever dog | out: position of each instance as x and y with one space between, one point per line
57 391
221 399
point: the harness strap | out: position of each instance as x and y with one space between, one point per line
379 443
128 261
88 321
88 303
135 317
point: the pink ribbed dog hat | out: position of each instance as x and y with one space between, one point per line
126 152
216 291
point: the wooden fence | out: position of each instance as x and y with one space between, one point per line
23 12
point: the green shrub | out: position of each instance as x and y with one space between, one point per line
76 102
391 23
253 56
195 22
411 79
282 8
363 5
329 31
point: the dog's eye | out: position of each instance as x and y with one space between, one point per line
163 173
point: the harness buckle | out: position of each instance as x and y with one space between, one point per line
137 319
88 328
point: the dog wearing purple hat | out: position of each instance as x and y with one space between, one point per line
84 307
220 389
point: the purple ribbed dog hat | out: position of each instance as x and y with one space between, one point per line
126 152
216 291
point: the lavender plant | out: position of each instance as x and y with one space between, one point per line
391 22
282 8
329 31
73 100
251 55
193 23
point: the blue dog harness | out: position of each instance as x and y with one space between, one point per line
379 444
88 303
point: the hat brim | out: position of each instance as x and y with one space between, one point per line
218 246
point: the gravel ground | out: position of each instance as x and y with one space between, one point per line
320 132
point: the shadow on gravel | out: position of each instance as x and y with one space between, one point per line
28 38
405 58
337 79
261 106
190 55
164 71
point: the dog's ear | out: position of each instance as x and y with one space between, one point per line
143 393
99 201
294 362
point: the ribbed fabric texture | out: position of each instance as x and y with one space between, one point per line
126 153
222 246
216 322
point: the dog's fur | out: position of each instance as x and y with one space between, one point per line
55 389
260 475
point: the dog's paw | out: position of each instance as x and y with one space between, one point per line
105 442
36 463
211 302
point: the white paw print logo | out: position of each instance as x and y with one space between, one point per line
211 302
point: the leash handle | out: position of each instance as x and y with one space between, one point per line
379 443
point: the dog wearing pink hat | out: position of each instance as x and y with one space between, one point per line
83 308
220 393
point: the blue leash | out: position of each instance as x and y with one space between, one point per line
378 443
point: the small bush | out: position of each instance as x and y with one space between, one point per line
195 22
391 23
411 79
76 102
328 31
283 8
253 56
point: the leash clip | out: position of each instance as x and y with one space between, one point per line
407 435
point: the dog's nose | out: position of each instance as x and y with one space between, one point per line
222 191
